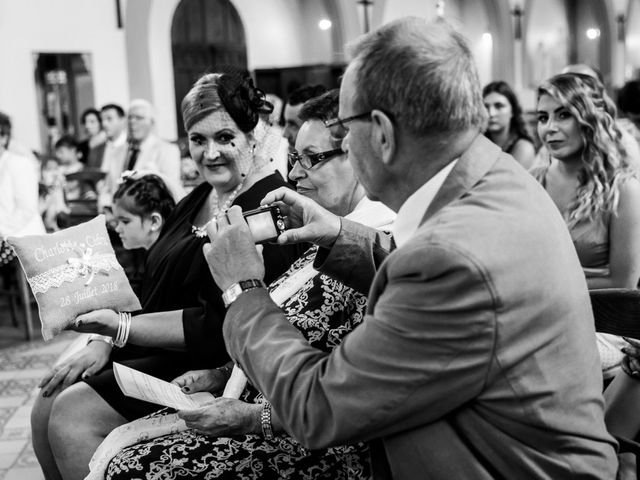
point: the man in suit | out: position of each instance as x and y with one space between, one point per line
147 151
114 123
477 358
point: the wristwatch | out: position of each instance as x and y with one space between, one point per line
235 289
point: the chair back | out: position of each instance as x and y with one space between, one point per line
616 311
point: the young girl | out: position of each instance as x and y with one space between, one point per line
141 205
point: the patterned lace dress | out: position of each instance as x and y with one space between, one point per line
324 310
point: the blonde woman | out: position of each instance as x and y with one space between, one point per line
591 182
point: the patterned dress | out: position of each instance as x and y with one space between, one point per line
324 310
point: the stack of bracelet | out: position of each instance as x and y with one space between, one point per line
124 327
265 418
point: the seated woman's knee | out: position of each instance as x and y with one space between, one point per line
69 409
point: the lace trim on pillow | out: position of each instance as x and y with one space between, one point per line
87 265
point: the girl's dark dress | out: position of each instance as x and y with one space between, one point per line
177 277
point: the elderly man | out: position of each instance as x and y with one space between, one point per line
147 151
477 357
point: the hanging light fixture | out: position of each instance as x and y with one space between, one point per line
365 14
621 8
517 11
516 8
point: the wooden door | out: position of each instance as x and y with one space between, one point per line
206 36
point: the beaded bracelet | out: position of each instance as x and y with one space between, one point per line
124 327
265 419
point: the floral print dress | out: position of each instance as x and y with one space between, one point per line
324 310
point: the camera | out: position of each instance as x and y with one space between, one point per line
266 223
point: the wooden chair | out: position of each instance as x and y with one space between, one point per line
86 208
617 311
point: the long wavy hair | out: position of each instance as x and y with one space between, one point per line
604 159
516 125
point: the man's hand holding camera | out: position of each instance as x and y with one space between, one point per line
232 255
305 220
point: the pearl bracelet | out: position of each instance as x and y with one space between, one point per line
265 420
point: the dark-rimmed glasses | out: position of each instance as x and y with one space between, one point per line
342 122
308 160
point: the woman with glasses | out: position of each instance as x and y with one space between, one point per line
321 169
240 438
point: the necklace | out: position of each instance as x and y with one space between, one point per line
201 232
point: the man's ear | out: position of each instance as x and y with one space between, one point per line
383 133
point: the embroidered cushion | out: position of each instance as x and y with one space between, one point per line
73 271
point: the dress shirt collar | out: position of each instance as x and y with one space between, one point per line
147 142
413 209
119 140
372 214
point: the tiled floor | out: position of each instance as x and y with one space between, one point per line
22 364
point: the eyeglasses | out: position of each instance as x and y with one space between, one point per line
342 122
308 160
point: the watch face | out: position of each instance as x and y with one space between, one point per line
230 294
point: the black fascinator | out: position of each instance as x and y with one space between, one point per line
242 100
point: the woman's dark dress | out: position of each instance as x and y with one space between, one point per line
177 277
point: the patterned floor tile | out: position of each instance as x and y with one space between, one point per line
20 433
22 365
8 459
27 459
33 473
13 401
12 446
5 415
18 386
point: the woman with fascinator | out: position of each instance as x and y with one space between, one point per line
240 438
180 325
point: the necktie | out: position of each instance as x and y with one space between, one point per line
134 151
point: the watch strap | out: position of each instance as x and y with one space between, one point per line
235 289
